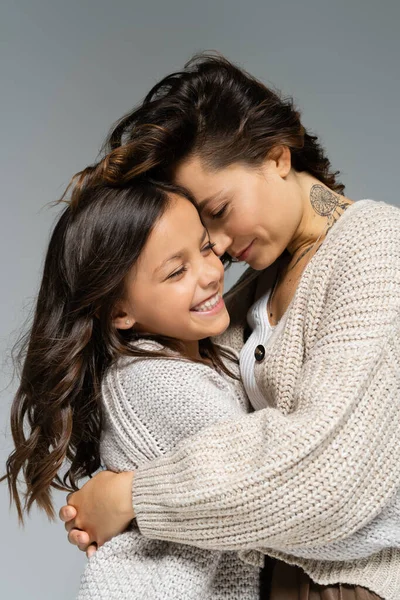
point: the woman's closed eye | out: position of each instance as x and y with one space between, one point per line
208 247
220 212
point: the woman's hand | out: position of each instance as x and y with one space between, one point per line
101 509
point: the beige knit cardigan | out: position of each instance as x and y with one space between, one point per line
322 459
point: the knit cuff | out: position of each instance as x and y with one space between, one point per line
152 484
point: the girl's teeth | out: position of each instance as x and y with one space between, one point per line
209 304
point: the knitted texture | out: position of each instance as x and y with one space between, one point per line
149 406
321 460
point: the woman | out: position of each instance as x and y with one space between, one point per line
316 321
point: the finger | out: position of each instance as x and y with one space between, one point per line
82 538
67 513
69 525
83 546
91 549
78 538
72 537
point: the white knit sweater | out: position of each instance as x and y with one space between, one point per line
149 406
322 459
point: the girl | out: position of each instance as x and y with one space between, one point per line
119 367
316 322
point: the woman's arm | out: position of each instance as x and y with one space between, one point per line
244 529
363 542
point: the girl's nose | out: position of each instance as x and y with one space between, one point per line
222 243
212 272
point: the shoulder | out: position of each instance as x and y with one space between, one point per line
167 376
365 240
351 287
368 222
169 394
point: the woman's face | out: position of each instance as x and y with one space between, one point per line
175 289
251 213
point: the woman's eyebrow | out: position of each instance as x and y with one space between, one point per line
205 201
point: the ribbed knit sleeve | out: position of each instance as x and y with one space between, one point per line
329 464
151 405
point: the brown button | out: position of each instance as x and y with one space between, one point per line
259 353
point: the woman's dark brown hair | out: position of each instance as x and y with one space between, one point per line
219 112
56 417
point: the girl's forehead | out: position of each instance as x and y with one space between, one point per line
178 230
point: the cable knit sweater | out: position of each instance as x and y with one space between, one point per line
321 460
149 406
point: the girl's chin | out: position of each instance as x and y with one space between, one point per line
217 329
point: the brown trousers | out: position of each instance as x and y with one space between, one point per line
280 581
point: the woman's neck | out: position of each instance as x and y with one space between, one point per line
322 207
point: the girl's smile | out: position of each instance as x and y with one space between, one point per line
211 306
175 288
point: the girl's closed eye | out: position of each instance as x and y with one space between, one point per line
177 273
207 248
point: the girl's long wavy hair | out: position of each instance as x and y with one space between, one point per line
219 112
56 417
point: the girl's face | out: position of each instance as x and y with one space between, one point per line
251 213
175 288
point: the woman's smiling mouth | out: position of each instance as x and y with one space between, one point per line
245 253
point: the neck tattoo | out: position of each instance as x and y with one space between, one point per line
326 204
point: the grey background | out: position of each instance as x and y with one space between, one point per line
70 69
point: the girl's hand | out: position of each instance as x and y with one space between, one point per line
101 509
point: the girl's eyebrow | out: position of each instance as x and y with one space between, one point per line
180 253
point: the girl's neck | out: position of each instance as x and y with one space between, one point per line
192 349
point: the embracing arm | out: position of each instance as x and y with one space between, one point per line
379 533
239 485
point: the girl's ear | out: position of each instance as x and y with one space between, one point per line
122 319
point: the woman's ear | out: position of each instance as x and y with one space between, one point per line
122 319
282 158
